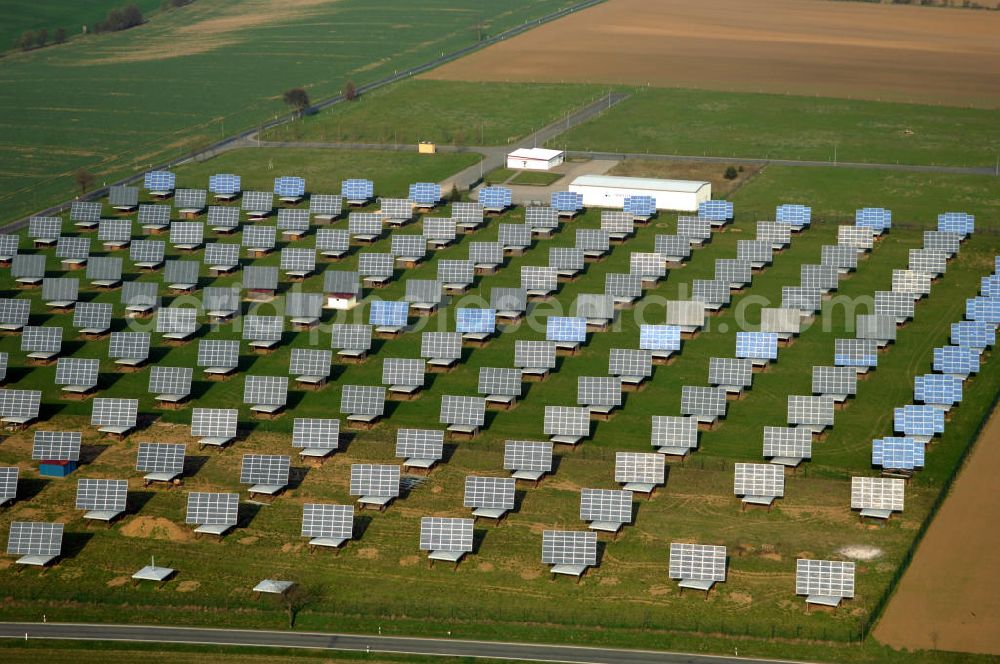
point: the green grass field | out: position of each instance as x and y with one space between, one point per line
71 15
536 178
703 122
627 600
445 112
114 104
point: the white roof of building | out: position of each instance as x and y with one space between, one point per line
535 153
653 184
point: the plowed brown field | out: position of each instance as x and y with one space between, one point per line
837 49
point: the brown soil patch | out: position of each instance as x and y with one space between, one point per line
688 170
117 582
248 540
485 567
530 573
947 599
608 581
837 49
409 561
370 553
154 527
740 599
659 591
188 586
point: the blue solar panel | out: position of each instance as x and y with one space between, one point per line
793 215
388 312
483 321
757 345
973 334
937 389
567 201
956 222
289 186
956 360
877 219
897 453
159 181
426 193
915 420
565 328
660 337
495 198
990 286
996 265
640 206
357 190
716 210
224 183
983 309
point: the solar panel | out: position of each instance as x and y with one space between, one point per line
630 362
486 252
312 433
793 215
41 339
469 411
20 404
713 292
259 202
697 562
877 493
897 305
500 381
222 255
190 199
617 223
983 309
715 210
262 328
730 372
15 312
475 321
489 492
260 277
990 286
588 239
170 380
374 480
60 289
566 421
877 219
757 345
9 244
810 410
56 446
937 389
677 432
293 220
160 458
388 313
527 455
259 237
330 239
289 187
402 371
594 306
326 205
362 400
694 228
787 442
623 285
806 300
425 193
297 259
114 412
89 315
352 336
398 209
73 248
758 479
534 354
566 258
877 327
78 211
754 251
181 272
441 345
733 271
154 215
639 467
440 229
177 320
569 547
780 321
822 277
123 197
897 453
606 505
947 243
599 391
31 538
467 213
310 362
834 380
221 298
456 272
824 578
685 314
77 371
567 329
27 266
375 265
327 521
445 534
94 494
962 223
956 360
660 337
357 190
515 235
567 201
106 268
424 290
703 401
159 181
213 422
924 421
364 223
265 390
212 509
855 353
973 334
419 444
639 206
777 234
187 232
147 251
537 217
129 345
114 230
264 469
495 198
226 184
647 265
857 238
509 299
218 353
911 282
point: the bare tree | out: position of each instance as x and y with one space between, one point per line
84 179
60 36
296 598
350 91
41 38
298 99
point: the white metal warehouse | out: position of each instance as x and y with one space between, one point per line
535 159
610 191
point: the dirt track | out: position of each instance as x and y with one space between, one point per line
948 597
838 49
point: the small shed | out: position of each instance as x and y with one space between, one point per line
535 159
426 147
54 468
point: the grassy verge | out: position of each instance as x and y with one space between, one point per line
536 178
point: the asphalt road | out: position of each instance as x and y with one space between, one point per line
374 644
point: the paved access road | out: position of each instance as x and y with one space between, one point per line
374 644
